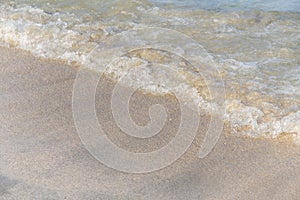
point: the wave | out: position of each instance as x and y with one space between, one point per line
256 52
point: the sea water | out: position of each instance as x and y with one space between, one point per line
254 45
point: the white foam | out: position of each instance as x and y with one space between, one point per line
257 57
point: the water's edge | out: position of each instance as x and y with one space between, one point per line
261 100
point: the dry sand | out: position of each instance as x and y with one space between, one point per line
42 156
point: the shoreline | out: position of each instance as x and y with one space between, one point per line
269 108
42 155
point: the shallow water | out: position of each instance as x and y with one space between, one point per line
235 5
255 47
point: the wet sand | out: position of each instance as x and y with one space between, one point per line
42 156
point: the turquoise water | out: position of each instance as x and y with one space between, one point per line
255 45
235 5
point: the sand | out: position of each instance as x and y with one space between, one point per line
42 156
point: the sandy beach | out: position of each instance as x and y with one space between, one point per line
42 156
